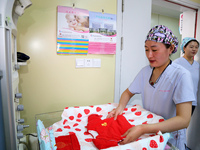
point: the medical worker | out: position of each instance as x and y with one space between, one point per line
190 48
166 89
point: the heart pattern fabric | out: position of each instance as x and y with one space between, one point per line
75 119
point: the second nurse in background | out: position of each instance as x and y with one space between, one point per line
189 47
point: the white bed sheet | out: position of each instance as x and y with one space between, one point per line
75 119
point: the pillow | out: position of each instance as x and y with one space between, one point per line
45 139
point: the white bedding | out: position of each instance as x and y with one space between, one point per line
75 119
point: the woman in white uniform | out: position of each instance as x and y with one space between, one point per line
190 48
166 90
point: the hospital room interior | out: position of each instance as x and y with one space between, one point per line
49 83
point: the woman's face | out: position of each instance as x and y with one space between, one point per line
157 53
191 49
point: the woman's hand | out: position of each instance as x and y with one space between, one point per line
133 134
180 121
115 112
125 97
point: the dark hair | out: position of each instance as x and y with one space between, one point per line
167 45
191 41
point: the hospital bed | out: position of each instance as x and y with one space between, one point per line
75 119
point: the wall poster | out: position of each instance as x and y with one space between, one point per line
82 32
72 30
102 37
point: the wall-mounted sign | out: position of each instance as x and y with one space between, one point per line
72 30
82 32
102 37
181 23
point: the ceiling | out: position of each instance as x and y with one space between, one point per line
165 11
169 8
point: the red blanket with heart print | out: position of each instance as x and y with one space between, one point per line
108 132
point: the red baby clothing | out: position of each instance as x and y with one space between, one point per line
109 131
67 142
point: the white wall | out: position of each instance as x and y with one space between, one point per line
129 61
188 23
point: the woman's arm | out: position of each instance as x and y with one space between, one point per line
180 121
125 97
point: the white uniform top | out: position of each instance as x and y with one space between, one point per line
174 87
194 70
